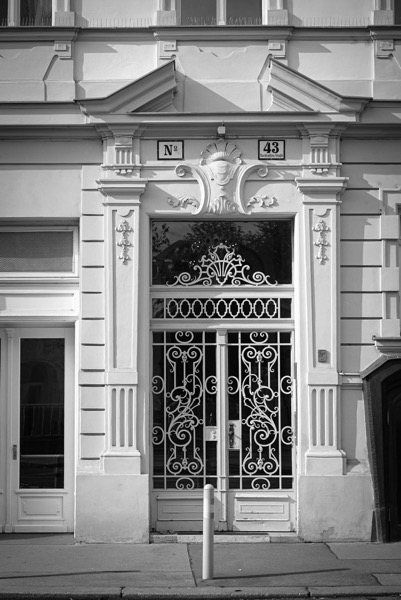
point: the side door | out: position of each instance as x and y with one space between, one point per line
40 412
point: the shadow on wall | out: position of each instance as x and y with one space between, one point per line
222 96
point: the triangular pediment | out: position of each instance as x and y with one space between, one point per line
293 92
153 92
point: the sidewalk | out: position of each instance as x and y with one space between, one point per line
54 566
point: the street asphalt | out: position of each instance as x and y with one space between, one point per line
54 566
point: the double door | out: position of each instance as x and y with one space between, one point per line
223 412
38 385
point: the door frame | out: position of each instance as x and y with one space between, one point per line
232 507
37 510
375 386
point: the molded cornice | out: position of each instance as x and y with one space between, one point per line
223 34
117 191
321 187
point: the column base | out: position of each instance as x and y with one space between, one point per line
112 508
121 464
325 463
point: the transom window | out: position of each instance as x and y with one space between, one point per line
243 253
38 251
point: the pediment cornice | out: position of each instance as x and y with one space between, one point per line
293 92
152 92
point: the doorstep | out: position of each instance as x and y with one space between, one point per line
225 537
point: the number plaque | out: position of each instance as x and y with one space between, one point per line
271 149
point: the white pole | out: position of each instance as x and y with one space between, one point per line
208 532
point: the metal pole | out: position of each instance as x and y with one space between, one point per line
208 532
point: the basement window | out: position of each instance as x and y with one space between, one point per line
38 252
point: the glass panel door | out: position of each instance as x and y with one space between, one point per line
40 390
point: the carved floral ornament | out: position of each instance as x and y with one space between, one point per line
221 175
321 242
124 243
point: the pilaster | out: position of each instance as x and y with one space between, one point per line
121 205
321 246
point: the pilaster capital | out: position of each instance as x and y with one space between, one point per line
321 190
121 192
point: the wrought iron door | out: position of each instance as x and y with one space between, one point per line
222 395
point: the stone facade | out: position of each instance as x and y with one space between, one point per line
113 118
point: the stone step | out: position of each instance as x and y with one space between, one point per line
225 537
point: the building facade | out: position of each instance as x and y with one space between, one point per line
200 267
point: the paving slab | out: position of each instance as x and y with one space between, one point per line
278 565
79 558
227 592
35 539
354 592
389 579
366 550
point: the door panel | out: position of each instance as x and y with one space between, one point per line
41 412
222 414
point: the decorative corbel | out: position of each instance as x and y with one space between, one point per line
221 177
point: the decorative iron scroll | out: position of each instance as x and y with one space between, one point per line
259 393
221 267
184 386
221 308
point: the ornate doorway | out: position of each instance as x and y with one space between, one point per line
222 385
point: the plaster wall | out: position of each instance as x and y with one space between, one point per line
369 307
40 191
326 512
42 178
345 68
104 67
32 71
112 508
304 13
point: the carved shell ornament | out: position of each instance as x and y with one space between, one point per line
221 175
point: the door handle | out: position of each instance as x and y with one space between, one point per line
14 451
231 436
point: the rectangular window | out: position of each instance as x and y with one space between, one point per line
3 13
195 13
36 13
239 12
26 13
40 252
221 12
397 12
